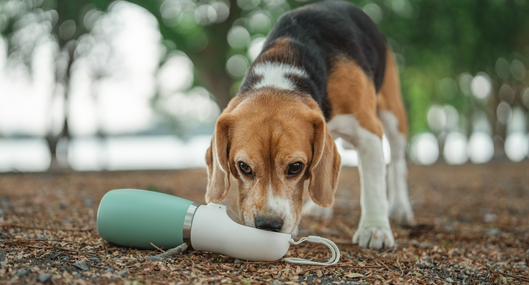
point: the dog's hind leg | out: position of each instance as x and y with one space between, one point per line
399 205
393 116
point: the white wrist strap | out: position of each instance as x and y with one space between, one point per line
335 251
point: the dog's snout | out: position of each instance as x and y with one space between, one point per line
269 223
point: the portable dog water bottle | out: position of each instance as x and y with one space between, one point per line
141 219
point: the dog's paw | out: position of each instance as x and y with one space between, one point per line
311 209
402 214
374 237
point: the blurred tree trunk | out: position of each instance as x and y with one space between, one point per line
209 61
441 139
216 80
67 30
498 129
101 134
59 157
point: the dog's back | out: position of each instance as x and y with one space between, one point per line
318 36
333 29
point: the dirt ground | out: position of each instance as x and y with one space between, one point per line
473 228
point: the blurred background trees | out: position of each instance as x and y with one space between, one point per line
463 66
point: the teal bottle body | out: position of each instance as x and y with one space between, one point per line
137 218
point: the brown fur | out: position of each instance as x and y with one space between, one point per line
390 95
351 91
280 50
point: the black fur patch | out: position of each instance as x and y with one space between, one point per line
318 34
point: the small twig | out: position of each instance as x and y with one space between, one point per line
400 267
383 264
345 242
45 228
157 247
173 251
345 228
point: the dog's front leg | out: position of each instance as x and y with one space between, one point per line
373 230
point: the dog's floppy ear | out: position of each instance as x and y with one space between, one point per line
217 158
325 166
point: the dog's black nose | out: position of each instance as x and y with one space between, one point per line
269 223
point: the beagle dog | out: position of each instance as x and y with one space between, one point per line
325 71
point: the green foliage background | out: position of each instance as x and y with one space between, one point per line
436 43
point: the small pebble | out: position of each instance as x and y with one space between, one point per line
88 202
81 265
124 273
22 272
5 203
421 244
44 278
449 227
2 256
155 258
493 232
490 217
95 259
520 265
54 255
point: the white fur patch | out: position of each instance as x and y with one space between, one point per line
278 205
275 74
373 230
281 206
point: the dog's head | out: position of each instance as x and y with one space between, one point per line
271 143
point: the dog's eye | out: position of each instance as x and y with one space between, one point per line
245 168
294 169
